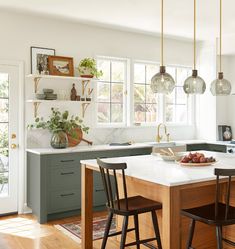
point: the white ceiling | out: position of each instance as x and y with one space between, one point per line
137 15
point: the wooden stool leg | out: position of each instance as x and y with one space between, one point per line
137 235
219 237
107 228
191 232
156 229
124 232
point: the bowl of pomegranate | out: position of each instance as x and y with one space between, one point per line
197 159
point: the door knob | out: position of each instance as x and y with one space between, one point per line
13 146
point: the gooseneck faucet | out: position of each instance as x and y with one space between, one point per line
159 137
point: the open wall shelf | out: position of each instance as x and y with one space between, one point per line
84 81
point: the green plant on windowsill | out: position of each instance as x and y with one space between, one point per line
88 68
60 124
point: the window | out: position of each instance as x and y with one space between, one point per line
145 102
178 104
111 98
114 105
149 108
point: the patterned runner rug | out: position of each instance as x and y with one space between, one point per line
73 230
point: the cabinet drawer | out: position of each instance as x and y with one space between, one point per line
64 177
71 159
64 200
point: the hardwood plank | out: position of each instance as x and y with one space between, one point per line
44 236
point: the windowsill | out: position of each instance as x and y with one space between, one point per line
140 126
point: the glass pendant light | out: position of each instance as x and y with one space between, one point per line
194 84
220 86
162 82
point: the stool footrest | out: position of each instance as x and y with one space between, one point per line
120 232
140 242
228 242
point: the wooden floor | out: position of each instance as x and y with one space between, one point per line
24 232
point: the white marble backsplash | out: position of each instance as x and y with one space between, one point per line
41 138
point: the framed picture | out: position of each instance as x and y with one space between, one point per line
225 133
39 59
62 66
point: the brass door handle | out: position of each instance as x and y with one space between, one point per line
13 146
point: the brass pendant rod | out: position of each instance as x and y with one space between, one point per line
220 46
162 9
194 38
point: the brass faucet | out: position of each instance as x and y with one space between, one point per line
159 138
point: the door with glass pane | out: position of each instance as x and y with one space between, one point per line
9 108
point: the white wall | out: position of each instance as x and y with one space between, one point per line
20 31
206 103
227 107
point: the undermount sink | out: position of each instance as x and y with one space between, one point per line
162 144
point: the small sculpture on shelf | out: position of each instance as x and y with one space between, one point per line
73 95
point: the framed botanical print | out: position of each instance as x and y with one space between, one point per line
62 66
39 59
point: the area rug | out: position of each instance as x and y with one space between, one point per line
73 230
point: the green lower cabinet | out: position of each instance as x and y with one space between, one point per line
207 147
54 182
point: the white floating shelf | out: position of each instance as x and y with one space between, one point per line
41 76
56 101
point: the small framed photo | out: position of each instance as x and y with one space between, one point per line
62 66
39 59
225 133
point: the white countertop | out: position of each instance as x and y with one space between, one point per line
87 148
154 169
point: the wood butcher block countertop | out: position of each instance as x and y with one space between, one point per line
154 169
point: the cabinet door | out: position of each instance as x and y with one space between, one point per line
217 148
194 147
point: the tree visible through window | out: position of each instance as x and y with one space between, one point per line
177 103
145 102
110 91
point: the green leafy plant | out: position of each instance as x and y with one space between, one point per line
89 64
60 121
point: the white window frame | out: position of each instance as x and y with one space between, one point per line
161 102
128 100
190 105
159 98
126 106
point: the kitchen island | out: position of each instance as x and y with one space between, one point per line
173 185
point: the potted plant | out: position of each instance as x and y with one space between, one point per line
87 68
60 125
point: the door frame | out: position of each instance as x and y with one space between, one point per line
21 134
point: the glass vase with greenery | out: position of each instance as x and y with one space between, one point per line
88 68
60 124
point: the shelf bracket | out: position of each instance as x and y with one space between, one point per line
84 108
36 83
84 86
36 106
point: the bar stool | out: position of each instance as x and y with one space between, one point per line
126 207
216 214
